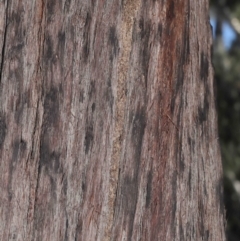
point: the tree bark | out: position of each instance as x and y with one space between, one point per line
108 127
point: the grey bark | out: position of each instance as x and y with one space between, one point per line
108 127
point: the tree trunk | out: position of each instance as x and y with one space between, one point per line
108 127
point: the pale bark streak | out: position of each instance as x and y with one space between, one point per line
130 9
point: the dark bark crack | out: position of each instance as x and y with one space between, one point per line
4 43
41 40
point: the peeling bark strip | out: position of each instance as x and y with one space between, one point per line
108 127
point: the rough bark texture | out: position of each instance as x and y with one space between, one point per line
108 127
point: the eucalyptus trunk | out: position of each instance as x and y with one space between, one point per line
108 127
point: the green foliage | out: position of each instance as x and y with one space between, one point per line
225 3
227 75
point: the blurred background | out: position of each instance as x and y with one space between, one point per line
225 21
